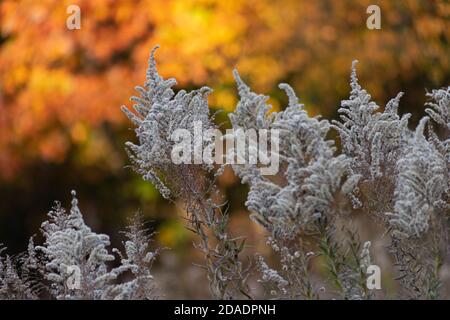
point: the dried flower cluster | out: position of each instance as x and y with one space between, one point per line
394 176
75 263
312 175
159 113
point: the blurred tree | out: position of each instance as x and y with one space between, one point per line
60 89
60 85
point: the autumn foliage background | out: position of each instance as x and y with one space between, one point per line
61 127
